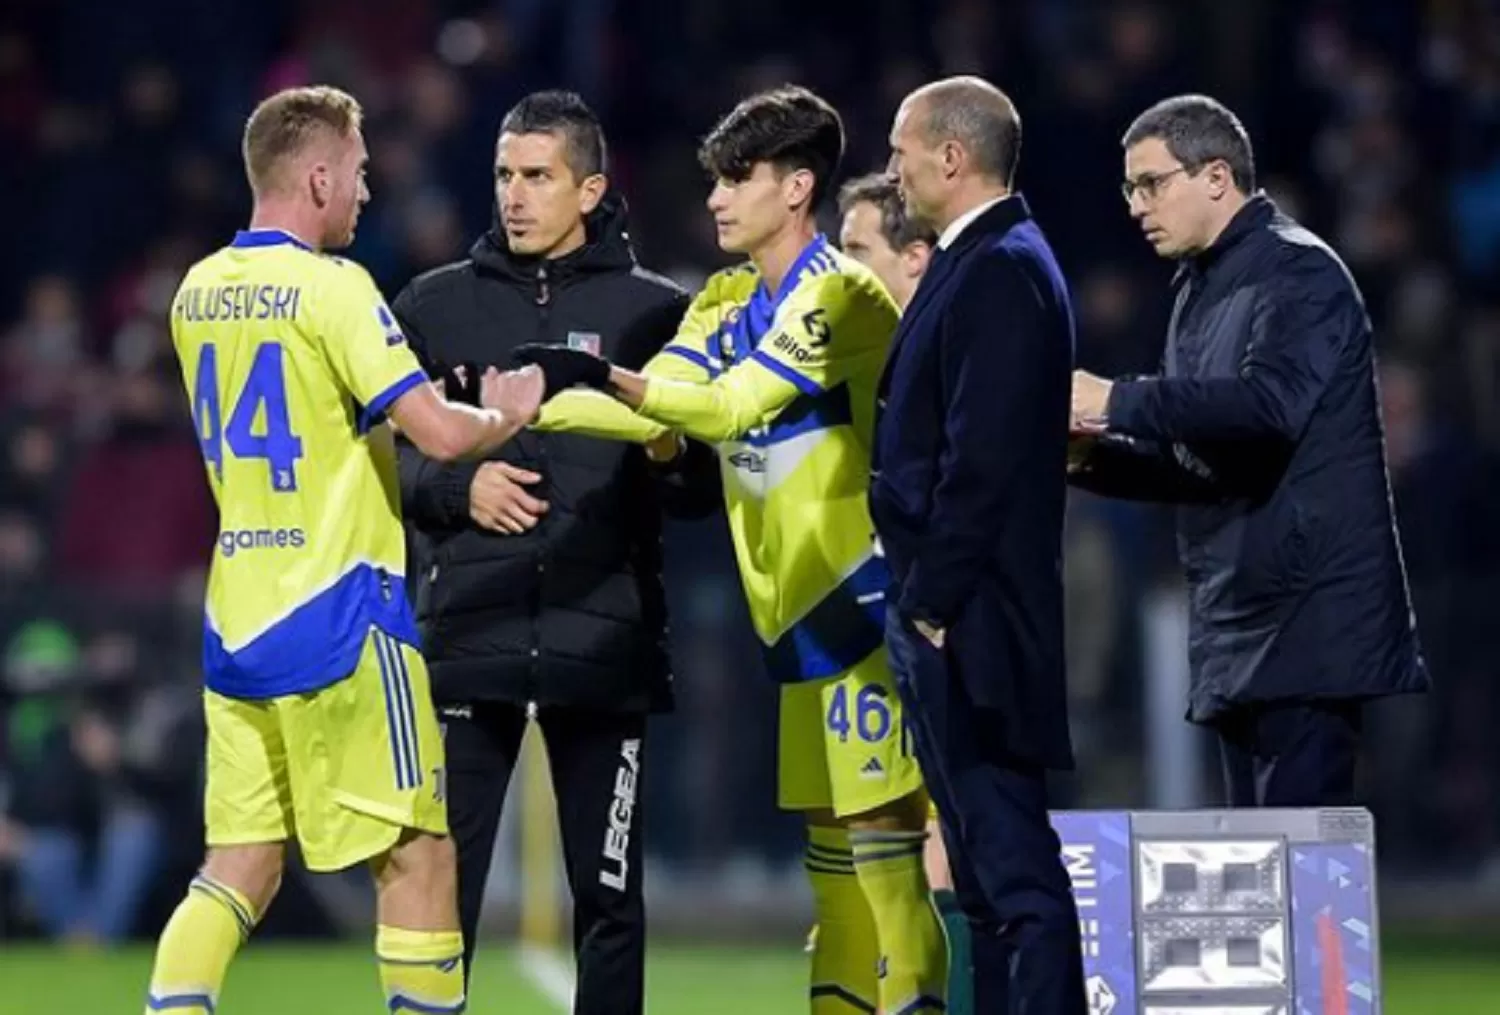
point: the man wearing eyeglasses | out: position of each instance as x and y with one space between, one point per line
1264 427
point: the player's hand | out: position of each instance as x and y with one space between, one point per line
498 500
516 393
937 636
565 367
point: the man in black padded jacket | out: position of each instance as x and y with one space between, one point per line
538 573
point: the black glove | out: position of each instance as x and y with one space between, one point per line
564 367
461 383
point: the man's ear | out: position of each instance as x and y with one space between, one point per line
953 158
798 186
320 184
593 188
1220 180
914 258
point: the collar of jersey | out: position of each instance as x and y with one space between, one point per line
762 298
267 238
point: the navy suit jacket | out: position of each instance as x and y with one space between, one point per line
969 483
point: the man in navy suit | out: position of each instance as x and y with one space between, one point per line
968 496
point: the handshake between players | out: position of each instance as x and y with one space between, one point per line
541 372
521 390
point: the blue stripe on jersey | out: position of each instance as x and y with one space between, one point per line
692 356
806 385
266 238
805 413
808 262
840 632
373 413
317 644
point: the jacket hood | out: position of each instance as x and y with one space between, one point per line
606 246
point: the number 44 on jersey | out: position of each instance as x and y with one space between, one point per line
259 425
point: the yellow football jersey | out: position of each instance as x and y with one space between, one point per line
291 358
784 385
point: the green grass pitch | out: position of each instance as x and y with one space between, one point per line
1430 977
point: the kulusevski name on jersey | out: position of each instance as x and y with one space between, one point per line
242 302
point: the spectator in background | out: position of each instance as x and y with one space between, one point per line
138 516
92 776
31 466
1265 426
40 357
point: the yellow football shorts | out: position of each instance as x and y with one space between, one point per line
343 770
844 743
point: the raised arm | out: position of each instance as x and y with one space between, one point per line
829 329
450 432
1300 323
371 356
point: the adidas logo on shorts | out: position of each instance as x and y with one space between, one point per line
872 769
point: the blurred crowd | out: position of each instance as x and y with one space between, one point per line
1377 123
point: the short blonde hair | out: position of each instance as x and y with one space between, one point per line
283 125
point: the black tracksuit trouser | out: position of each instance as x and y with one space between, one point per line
596 759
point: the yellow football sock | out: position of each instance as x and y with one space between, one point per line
196 947
845 950
913 949
421 970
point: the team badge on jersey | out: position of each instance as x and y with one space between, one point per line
393 335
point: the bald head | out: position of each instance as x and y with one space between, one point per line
975 115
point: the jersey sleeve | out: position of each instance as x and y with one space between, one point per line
365 344
688 356
828 330
684 358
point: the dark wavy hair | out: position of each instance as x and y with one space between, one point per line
790 127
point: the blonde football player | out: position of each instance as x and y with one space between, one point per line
320 728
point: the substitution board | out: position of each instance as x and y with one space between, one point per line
1245 912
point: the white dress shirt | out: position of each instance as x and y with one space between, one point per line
961 223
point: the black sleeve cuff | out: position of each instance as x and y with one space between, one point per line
451 491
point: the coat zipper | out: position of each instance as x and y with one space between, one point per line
544 306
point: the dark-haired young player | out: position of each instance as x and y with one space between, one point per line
776 363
